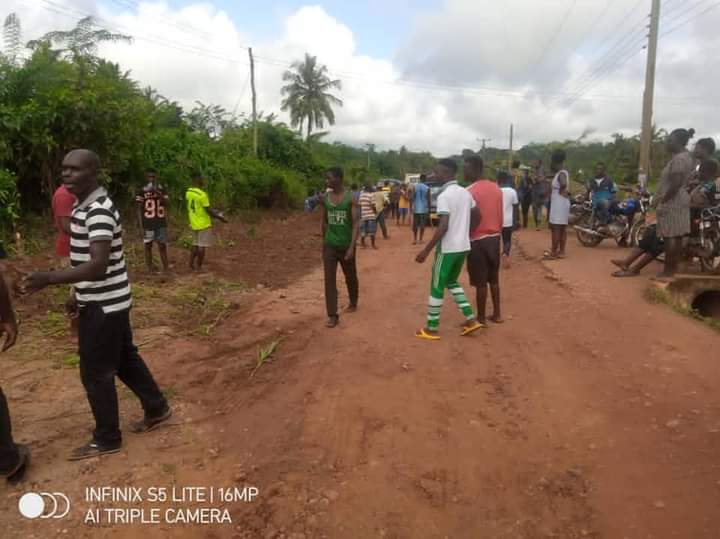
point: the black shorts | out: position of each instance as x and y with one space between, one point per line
420 220
651 243
483 262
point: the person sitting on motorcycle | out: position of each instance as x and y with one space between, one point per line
601 189
706 193
704 150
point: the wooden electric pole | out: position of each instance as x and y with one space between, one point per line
647 123
254 102
483 141
510 153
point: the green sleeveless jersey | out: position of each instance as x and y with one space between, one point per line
339 221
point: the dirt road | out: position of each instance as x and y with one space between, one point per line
589 413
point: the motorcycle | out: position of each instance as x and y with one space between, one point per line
704 241
625 227
580 206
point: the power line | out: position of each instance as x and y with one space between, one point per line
187 28
669 7
611 58
680 14
483 92
603 58
673 29
551 41
602 76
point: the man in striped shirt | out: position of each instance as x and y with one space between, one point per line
102 302
368 216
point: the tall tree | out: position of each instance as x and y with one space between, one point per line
80 43
12 39
307 95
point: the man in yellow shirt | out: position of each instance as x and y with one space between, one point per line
200 215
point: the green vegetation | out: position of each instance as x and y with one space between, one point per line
264 354
71 360
308 96
57 94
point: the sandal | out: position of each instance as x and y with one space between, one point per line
547 255
467 330
426 335
624 273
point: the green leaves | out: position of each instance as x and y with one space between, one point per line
307 95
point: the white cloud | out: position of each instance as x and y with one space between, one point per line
507 48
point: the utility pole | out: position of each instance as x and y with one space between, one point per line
483 141
510 153
370 148
254 102
646 133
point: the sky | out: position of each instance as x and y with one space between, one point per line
436 75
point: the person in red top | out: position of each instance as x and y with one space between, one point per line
62 206
484 259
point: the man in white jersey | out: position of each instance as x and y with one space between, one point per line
101 302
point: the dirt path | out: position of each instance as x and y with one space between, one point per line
589 413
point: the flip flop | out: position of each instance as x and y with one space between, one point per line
624 273
467 330
422 334
547 255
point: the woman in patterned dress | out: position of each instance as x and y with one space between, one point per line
673 200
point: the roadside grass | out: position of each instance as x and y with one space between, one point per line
660 296
191 307
265 354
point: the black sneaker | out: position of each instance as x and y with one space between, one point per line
93 449
17 472
147 424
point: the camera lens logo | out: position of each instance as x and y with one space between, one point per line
44 505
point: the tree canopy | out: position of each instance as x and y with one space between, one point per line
307 95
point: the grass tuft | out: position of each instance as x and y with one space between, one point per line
265 354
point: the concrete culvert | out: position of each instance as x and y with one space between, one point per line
708 304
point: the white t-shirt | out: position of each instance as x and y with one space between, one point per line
456 202
510 199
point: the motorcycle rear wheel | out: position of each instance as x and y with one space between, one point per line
710 263
587 240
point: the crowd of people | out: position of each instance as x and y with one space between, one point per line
474 225
473 229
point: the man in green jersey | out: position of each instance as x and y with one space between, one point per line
199 214
340 228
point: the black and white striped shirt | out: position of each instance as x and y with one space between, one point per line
96 219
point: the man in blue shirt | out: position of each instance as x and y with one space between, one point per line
602 191
421 209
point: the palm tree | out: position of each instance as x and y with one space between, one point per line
81 42
307 95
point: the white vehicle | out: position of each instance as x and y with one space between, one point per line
412 178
